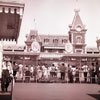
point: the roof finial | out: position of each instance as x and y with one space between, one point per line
77 10
34 24
77 6
97 38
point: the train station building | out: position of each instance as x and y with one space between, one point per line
44 49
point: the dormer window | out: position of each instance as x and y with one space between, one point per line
55 41
46 41
64 41
32 37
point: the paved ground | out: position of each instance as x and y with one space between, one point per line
56 91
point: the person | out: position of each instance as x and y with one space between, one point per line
62 71
85 71
27 75
6 75
93 71
35 73
39 73
31 70
52 71
98 72
73 72
77 75
70 75
92 74
15 69
20 71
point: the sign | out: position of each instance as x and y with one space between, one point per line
68 47
35 46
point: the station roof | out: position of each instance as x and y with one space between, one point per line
10 53
13 47
45 55
83 55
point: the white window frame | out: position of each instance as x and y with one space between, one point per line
77 42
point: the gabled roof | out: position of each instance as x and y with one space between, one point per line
77 20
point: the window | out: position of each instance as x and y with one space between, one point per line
32 37
89 52
78 47
79 39
64 41
79 51
46 41
55 41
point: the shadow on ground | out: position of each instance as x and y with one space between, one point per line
5 96
96 96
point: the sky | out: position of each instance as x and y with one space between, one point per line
53 17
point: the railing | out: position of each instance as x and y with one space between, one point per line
73 79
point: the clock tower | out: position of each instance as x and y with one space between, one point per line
77 34
32 42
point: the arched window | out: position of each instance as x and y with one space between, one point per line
55 41
64 41
79 39
46 41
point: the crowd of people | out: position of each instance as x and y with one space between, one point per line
52 72
66 72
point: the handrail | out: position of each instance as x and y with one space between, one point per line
12 86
